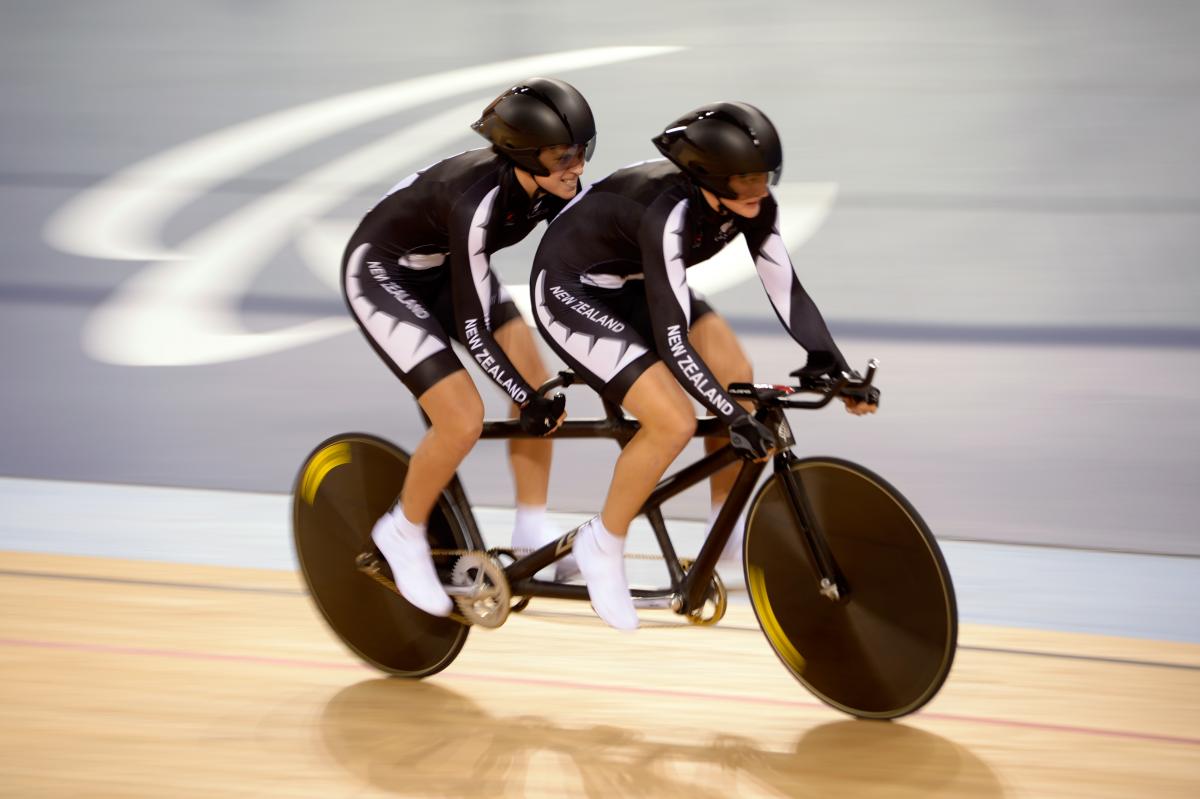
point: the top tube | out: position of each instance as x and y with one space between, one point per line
616 425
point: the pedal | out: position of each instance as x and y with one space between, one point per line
375 567
829 590
656 602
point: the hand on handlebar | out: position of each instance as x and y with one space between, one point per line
859 407
542 415
752 439
856 391
860 400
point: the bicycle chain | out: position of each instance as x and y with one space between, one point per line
719 601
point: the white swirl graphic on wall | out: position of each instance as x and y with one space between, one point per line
181 308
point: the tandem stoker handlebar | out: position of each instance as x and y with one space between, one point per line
828 386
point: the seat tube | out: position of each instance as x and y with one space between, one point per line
655 517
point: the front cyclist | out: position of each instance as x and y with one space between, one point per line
416 274
611 297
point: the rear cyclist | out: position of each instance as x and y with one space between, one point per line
610 295
416 274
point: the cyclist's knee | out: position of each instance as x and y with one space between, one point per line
459 424
675 428
459 435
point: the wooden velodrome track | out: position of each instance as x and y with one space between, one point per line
128 678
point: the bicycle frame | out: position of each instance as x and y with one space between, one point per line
689 588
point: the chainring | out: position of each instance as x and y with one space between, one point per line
489 603
716 596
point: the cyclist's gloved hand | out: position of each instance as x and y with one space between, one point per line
861 400
541 414
751 439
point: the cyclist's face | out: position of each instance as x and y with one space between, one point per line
751 189
566 165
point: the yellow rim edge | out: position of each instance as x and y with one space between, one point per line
338 453
758 590
322 464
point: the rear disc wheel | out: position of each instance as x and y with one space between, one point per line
344 486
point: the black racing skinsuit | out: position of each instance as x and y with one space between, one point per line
416 271
609 281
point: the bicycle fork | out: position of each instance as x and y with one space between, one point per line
831 582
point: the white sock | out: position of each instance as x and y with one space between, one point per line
608 543
409 529
530 522
532 530
600 555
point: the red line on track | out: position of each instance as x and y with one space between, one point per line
109 649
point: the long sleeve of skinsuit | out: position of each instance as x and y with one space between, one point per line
474 286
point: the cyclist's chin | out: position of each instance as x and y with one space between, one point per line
748 209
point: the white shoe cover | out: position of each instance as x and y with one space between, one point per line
408 555
604 573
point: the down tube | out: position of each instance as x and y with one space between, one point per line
699 576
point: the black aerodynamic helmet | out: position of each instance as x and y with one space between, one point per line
720 140
540 112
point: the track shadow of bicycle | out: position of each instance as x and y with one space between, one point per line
422 739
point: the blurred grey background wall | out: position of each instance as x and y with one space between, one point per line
998 200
